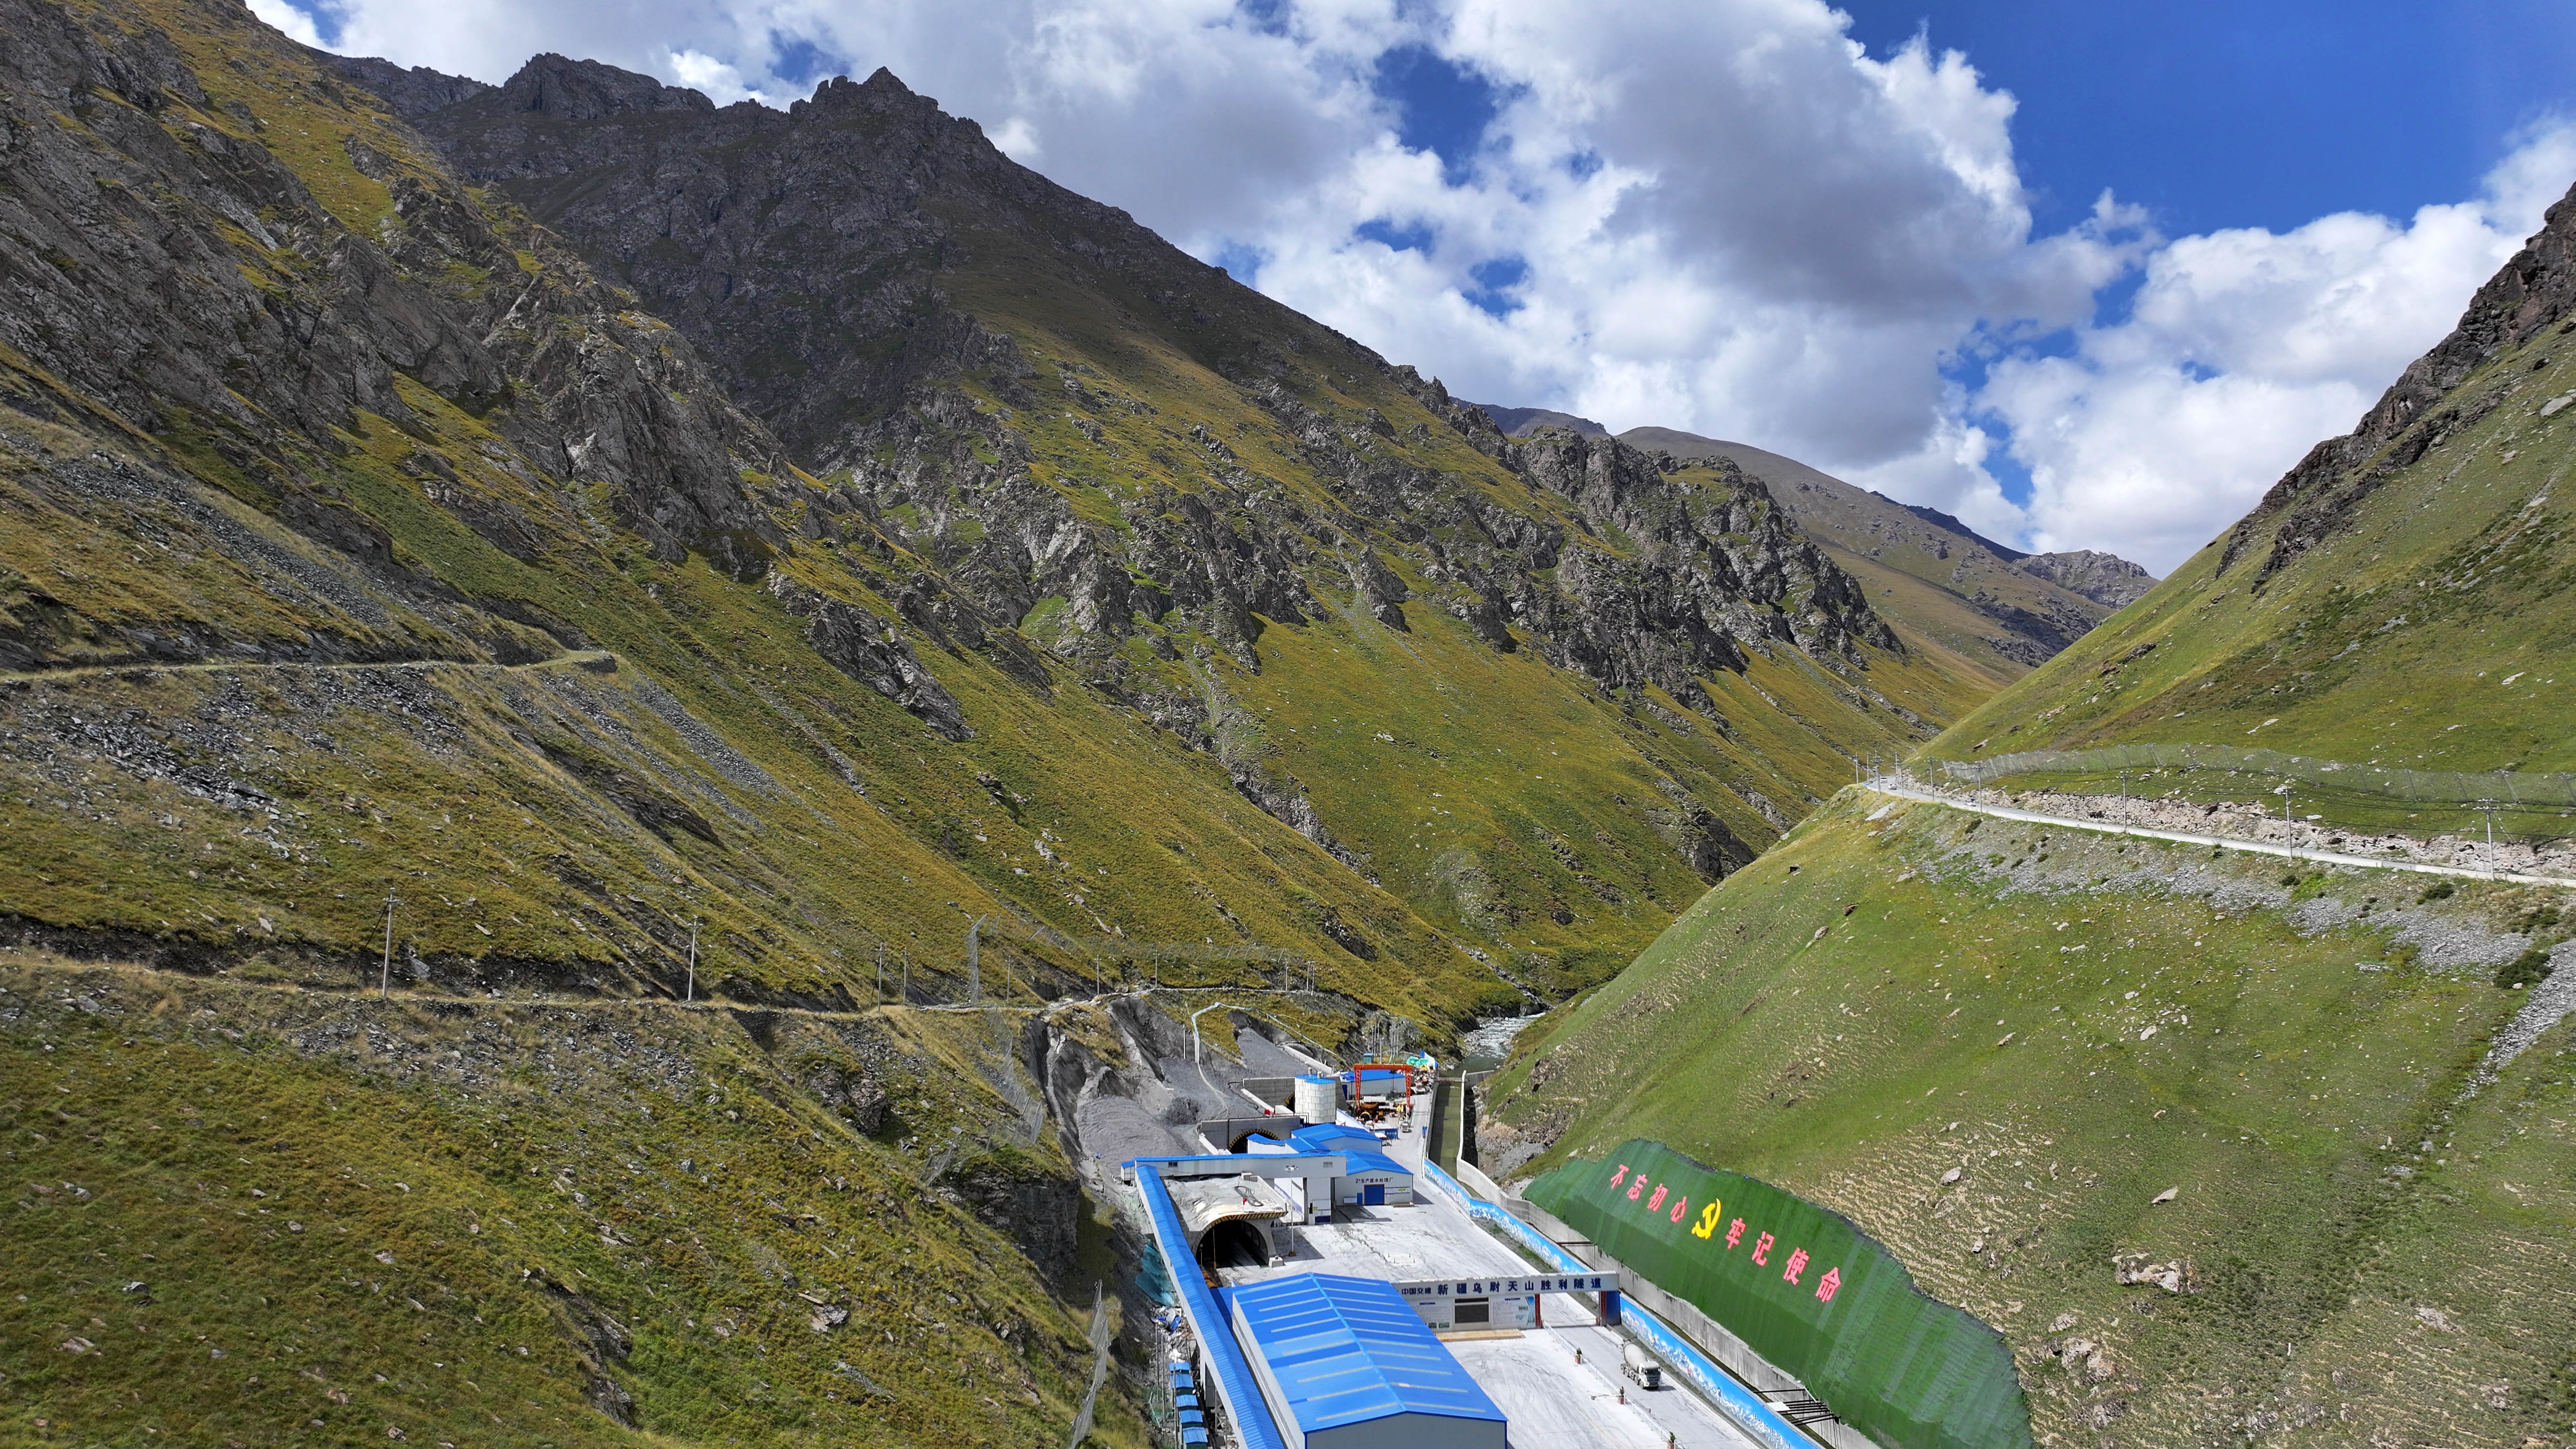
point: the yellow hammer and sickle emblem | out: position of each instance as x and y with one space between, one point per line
1707 1219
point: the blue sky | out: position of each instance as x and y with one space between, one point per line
2257 114
2209 115
2204 116
2085 275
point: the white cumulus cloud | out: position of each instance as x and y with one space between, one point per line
1724 217
297 25
2241 349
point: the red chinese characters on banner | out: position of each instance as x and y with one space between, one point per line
1616 1176
1677 1207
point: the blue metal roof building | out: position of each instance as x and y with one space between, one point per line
1346 1363
1334 1137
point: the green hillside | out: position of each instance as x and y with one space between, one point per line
1997 1046
278 1217
2368 1231
2402 598
462 730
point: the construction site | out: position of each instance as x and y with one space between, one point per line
1330 1284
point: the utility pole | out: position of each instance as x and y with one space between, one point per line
692 990
974 963
880 970
385 973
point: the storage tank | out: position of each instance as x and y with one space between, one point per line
1318 1099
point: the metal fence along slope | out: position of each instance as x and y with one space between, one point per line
2502 788
1806 1289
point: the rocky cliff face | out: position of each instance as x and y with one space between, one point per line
2107 579
173 269
807 251
1113 463
1925 572
802 247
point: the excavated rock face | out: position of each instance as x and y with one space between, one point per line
2313 501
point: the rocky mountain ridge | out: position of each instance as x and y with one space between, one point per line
1940 581
858 268
2105 578
658 186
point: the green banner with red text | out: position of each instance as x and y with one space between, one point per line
1805 1289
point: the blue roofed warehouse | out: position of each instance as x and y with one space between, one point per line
1346 1363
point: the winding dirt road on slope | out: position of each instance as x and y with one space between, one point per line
1903 790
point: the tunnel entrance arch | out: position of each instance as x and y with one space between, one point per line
1265 1129
1234 1243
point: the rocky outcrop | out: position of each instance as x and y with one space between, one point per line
2033 614
1521 422
811 265
2105 578
1706 570
867 649
175 269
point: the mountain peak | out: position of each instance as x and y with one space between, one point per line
583 90
1521 422
2105 578
882 92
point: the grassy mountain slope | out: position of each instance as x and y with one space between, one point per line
2362 1100
1142 479
2078 1025
2400 597
386 594
294 1217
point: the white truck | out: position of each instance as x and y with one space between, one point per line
1640 1367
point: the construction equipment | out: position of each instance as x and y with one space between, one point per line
1640 1367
